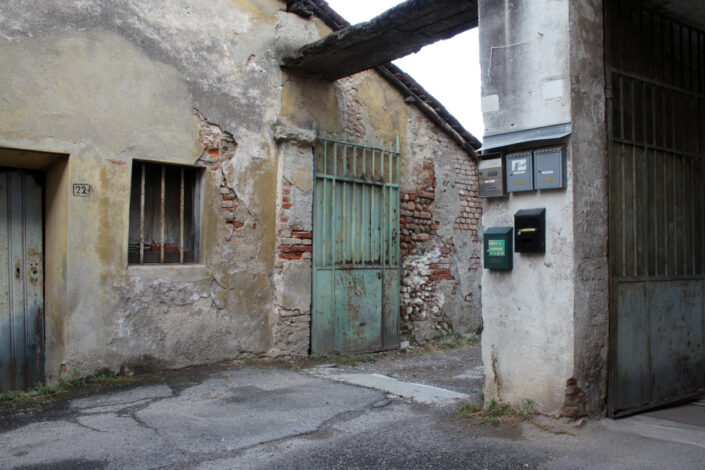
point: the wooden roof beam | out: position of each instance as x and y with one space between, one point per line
395 33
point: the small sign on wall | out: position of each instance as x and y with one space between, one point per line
81 190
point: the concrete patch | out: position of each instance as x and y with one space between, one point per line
417 392
116 401
249 406
661 429
119 442
475 373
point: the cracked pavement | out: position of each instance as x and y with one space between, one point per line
270 416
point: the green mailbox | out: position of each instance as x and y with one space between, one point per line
499 248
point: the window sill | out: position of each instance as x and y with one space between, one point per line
169 272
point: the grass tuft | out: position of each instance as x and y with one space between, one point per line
496 412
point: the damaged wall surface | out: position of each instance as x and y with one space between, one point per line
546 320
106 84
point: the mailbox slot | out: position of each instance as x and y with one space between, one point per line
530 231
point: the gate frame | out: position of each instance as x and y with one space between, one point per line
613 343
393 151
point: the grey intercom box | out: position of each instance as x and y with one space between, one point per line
519 172
549 168
491 177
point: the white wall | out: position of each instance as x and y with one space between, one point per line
528 312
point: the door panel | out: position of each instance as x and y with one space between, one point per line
21 281
355 248
358 310
657 209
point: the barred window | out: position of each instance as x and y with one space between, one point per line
163 214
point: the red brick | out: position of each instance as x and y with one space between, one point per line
213 151
237 224
301 235
290 255
286 205
228 197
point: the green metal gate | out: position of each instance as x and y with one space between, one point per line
355 247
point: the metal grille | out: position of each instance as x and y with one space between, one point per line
656 88
356 246
354 176
163 214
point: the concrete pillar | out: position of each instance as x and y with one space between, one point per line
545 321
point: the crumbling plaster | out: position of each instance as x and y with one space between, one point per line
528 340
589 144
546 321
182 82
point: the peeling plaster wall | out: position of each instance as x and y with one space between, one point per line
366 107
546 321
111 82
528 340
192 83
589 145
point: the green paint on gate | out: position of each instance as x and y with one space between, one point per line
355 247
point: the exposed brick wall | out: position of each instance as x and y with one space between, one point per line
294 245
428 260
220 146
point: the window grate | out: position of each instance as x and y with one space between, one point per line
163 214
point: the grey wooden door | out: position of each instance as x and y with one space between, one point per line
21 280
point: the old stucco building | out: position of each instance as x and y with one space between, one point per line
610 318
169 163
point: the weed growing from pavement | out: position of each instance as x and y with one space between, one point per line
456 340
349 360
496 412
65 384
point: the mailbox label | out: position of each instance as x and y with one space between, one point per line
495 247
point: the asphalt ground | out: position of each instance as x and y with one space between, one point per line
286 416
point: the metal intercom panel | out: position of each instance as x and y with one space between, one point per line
520 172
549 168
491 177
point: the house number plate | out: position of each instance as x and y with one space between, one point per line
81 190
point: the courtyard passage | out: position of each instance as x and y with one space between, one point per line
396 410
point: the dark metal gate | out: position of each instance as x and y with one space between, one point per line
355 247
21 281
656 91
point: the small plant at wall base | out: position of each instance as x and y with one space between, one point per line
73 380
456 340
497 412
